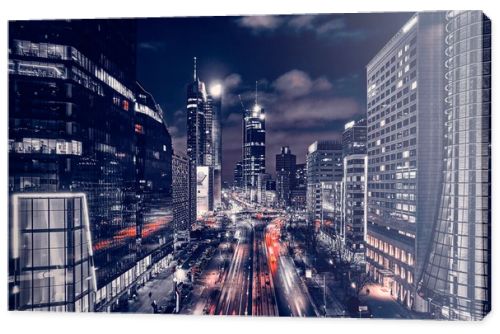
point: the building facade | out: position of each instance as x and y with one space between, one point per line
355 196
254 149
457 279
200 141
355 190
214 100
73 98
182 199
285 175
238 175
324 169
405 95
51 250
153 165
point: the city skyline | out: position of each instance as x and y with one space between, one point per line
366 197
295 58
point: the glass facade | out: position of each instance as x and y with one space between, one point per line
73 98
457 280
153 162
52 251
254 149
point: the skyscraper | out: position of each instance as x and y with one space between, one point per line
200 148
405 135
73 101
254 149
285 175
153 165
457 278
355 189
215 104
324 169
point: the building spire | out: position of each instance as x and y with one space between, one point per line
256 93
194 70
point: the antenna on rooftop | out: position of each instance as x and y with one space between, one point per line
194 69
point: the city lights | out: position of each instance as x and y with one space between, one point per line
318 203
216 89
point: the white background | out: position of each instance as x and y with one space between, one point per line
23 322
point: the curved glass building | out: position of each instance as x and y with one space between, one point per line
456 279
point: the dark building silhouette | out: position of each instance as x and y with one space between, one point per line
285 175
238 175
153 163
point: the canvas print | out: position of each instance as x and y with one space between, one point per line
330 165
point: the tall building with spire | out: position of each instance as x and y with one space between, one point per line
254 147
203 143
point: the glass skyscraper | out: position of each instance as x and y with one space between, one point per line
254 149
457 280
81 129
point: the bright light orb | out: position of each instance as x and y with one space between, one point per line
262 117
216 90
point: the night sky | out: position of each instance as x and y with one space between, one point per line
310 69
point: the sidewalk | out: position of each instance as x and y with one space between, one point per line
382 304
161 288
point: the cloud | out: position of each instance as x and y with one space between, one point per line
302 22
232 81
260 23
298 83
330 27
152 46
311 112
297 100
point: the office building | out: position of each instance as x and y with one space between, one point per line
405 95
70 137
285 175
254 149
238 175
43 227
457 277
355 196
355 190
153 164
73 98
298 192
182 199
354 138
324 169
262 182
214 101
200 147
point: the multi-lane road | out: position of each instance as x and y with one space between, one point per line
260 280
